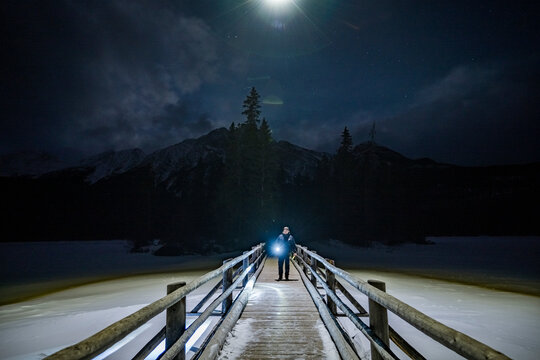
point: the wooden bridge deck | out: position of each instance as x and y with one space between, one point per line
280 321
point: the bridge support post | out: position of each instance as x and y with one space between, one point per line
175 320
313 269
226 282
378 319
331 282
245 264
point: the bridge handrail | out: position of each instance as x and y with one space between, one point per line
99 342
383 350
457 341
178 346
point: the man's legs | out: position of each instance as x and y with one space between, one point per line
280 267
287 267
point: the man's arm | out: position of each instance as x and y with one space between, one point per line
293 245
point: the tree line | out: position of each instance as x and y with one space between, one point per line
359 194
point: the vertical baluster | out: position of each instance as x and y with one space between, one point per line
175 320
226 282
378 319
313 269
253 258
331 281
245 264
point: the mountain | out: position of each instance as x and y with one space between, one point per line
185 155
176 193
111 163
296 160
165 164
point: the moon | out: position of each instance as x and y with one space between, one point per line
277 3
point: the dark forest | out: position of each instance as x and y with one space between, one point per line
243 186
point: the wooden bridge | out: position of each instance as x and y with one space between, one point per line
262 318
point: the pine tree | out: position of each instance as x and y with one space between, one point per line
252 108
250 145
372 134
345 172
249 191
346 142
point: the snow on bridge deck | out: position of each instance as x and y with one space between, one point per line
280 321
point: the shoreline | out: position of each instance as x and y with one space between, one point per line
510 264
29 291
530 287
25 291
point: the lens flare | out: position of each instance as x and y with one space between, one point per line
277 2
276 28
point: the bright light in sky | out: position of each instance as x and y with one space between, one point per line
277 3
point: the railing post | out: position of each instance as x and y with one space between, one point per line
313 269
253 259
175 321
245 264
331 282
226 282
306 259
378 319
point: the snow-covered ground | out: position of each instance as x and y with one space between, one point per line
42 326
497 262
507 321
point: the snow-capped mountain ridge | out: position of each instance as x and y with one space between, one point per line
297 160
187 153
166 163
112 163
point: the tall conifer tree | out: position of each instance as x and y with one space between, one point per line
345 189
249 190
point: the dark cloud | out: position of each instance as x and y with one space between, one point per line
104 75
474 115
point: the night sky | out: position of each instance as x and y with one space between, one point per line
456 81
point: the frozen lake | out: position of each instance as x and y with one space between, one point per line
507 321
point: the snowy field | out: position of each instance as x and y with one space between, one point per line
509 322
31 329
502 263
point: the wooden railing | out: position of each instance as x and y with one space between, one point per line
174 303
317 271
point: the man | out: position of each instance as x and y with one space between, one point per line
285 243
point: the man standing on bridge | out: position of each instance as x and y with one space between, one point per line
285 245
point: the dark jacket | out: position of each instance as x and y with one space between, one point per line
288 243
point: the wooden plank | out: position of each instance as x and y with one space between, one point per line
280 321
213 346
